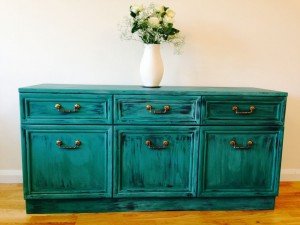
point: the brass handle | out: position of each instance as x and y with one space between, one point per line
150 145
235 145
163 111
235 108
60 144
60 108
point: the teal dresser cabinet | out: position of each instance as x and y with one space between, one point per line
89 148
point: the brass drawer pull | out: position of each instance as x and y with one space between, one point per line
60 108
150 145
60 144
163 111
235 145
235 108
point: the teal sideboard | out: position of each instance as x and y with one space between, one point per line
93 148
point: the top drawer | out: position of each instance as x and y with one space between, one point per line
158 109
66 109
241 110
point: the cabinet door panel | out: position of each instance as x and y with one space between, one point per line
240 161
67 169
144 171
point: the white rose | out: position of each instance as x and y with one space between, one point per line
170 13
168 19
153 21
136 8
160 8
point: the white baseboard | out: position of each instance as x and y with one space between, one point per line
290 175
10 176
15 176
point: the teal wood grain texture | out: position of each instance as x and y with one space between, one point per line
40 108
147 204
136 90
132 109
54 172
144 172
227 171
217 110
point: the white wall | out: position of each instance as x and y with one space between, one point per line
228 43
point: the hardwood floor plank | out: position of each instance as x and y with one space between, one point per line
287 212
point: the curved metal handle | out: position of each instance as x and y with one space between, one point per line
235 145
60 144
235 108
163 111
60 108
150 145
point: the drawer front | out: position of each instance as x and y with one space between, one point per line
155 161
240 110
139 109
240 161
68 162
66 108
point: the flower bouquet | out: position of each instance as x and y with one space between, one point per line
152 25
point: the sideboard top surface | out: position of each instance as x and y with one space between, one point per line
136 89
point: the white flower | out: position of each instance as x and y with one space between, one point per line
136 8
160 8
170 13
168 19
153 21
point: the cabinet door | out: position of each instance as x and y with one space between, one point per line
156 161
67 162
240 161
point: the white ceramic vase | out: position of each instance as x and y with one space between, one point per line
151 67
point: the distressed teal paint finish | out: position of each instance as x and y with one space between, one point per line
40 108
227 171
115 170
148 204
217 110
167 172
132 109
55 172
137 90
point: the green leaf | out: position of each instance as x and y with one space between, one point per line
173 31
161 30
144 39
144 25
168 30
135 27
132 14
170 24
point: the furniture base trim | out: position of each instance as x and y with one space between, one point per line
290 175
153 204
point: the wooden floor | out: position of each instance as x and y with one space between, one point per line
287 212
